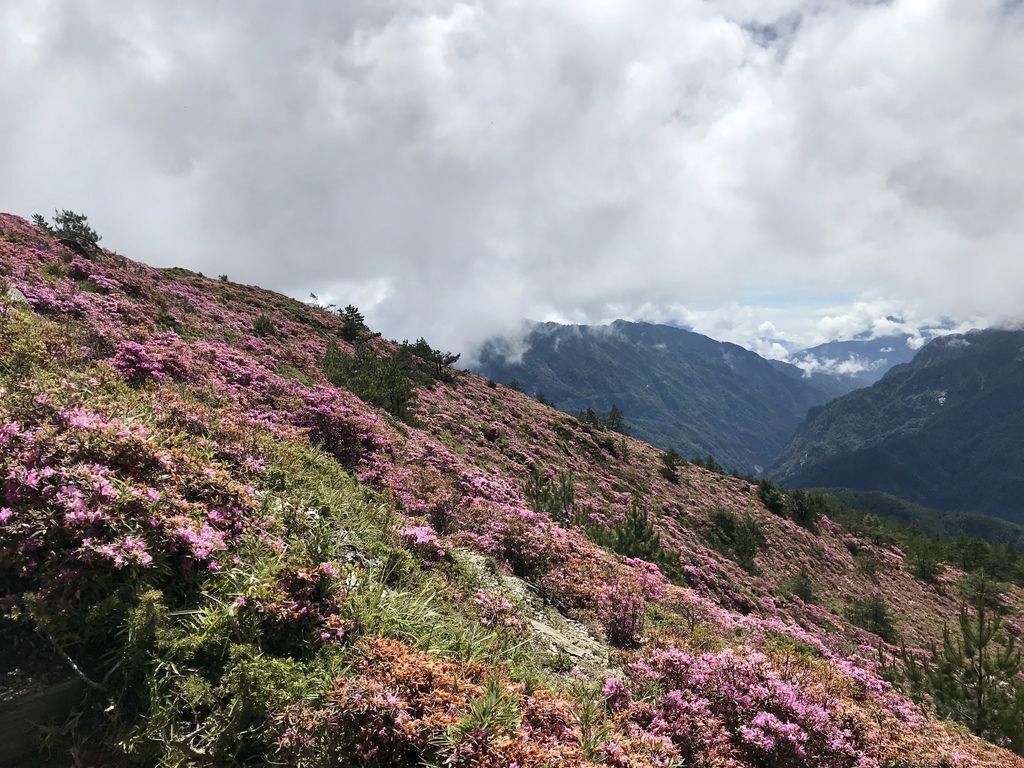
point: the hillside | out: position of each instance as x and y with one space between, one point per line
944 525
943 430
228 560
677 388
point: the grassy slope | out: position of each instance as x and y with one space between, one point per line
266 601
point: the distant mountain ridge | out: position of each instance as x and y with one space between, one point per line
857 362
677 388
945 430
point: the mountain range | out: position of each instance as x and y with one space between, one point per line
857 362
677 388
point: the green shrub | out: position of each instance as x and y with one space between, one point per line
771 496
635 535
800 585
739 538
922 557
806 508
670 460
386 382
263 326
709 463
867 562
872 614
554 497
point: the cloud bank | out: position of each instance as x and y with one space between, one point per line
454 167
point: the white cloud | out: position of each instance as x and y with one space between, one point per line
852 364
454 167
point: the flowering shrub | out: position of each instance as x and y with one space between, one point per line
156 361
497 611
305 606
621 608
716 706
422 540
403 708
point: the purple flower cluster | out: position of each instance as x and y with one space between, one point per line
422 540
729 704
497 611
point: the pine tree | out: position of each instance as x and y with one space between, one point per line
537 490
387 382
670 465
805 509
740 538
439 361
800 585
263 326
352 325
975 677
616 420
922 556
635 535
555 498
565 498
872 614
70 226
771 496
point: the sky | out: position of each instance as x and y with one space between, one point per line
775 173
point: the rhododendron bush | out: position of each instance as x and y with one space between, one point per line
244 564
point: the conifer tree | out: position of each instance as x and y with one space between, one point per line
771 496
670 465
352 325
975 676
439 361
387 382
922 557
635 535
872 614
69 225
556 498
565 498
805 509
537 490
616 420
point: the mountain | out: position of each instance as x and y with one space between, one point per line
239 530
944 430
858 362
676 388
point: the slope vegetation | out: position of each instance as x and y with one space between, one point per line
237 562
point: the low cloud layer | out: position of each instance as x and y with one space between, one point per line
455 167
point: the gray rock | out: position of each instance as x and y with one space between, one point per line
15 296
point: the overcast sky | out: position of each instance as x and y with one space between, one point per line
760 169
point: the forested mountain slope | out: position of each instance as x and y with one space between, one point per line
677 388
944 430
